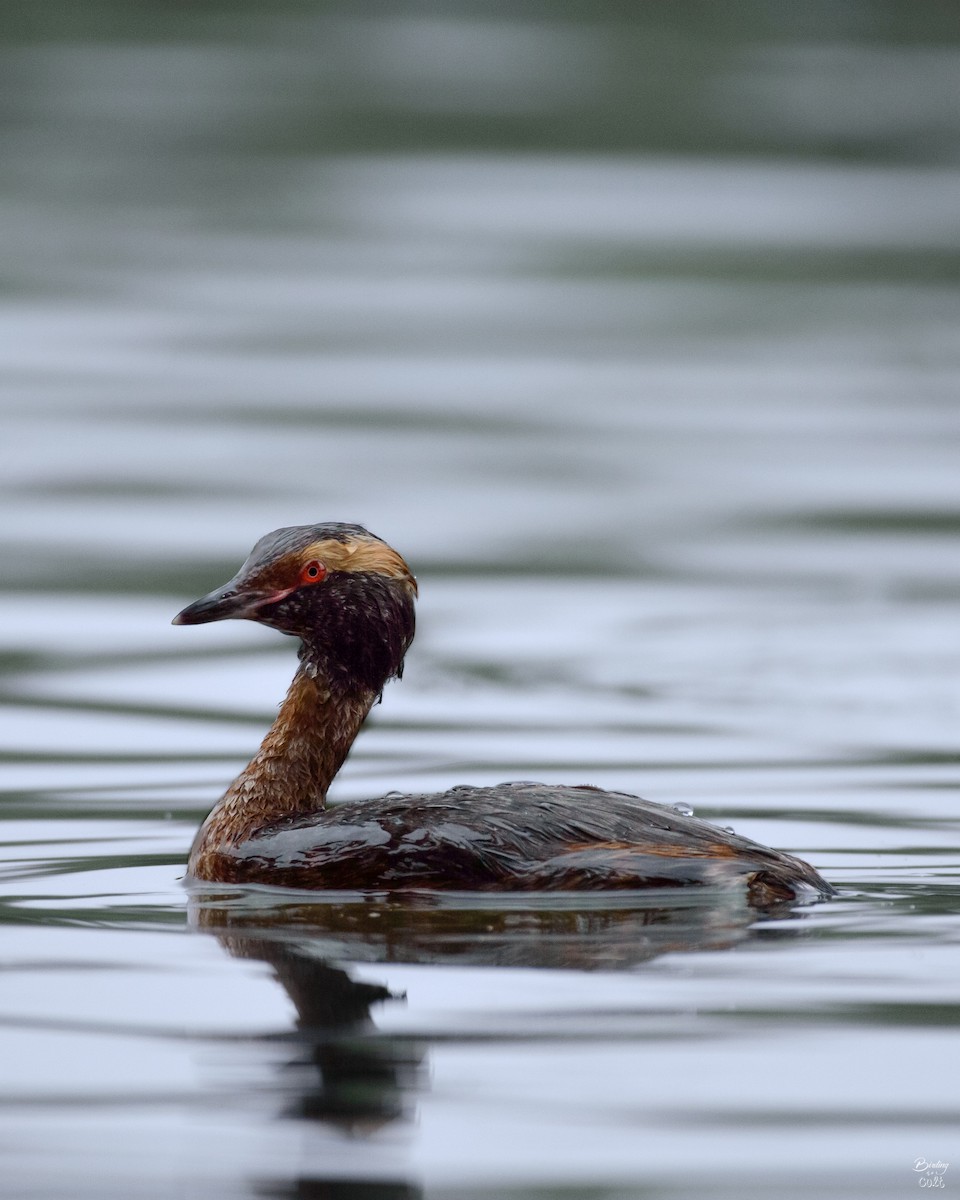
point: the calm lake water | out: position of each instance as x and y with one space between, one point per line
638 336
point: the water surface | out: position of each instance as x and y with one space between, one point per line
669 433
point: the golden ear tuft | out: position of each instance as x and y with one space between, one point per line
359 555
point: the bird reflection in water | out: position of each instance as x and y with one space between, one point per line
341 1072
345 1073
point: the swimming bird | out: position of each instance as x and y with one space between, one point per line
349 597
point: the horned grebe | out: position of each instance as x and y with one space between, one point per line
350 597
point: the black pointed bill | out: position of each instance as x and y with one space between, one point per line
226 603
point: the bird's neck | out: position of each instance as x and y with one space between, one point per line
291 772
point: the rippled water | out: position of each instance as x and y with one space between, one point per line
670 435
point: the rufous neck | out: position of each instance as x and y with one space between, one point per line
291 772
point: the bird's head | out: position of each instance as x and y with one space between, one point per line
345 592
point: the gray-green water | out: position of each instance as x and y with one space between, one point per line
635 328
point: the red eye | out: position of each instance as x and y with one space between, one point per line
313 572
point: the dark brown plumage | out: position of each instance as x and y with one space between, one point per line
350 598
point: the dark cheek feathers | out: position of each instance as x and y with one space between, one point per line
355 628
